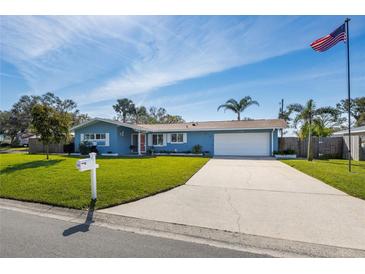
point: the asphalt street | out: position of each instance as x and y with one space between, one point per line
26 235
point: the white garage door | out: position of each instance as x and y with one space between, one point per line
242 144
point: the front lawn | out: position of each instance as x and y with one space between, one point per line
119 180
335 173
9 148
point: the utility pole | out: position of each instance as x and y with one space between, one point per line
282 115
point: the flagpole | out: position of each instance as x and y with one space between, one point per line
348 87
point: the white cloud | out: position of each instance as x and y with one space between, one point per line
125 56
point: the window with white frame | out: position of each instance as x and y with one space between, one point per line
94 137
177 138
99 138
157 139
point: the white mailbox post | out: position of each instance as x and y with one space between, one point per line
89 164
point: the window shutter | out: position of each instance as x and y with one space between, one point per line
81 137
149 140
169 137
164 139
185 137
107 139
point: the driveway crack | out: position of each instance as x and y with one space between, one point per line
229 201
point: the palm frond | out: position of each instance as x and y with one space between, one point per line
228 106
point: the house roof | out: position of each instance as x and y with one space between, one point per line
110 121
217 125
353 130
197 126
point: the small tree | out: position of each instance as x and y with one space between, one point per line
50 124
312 121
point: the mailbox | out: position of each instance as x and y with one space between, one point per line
89 164
86 164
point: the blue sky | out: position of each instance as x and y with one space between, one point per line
187 64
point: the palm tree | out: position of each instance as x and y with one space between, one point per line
124 107
238 107
311 119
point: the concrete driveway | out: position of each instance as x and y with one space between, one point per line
259 197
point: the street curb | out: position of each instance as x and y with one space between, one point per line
220 238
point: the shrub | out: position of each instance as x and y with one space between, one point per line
329 156
87 147
285 152
197 149
69 148
94 149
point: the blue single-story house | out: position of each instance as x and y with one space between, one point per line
225 138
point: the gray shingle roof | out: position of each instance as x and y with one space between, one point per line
217 125
197 126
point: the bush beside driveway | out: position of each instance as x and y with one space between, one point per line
335 173
119 180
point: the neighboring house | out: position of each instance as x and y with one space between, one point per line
24 138
357 143
246 138
355 131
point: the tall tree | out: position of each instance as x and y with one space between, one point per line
19 117
50 124
172 119
8 127
139 115
238 107
123 108
310 120
78 118
160 115
21 114
357 110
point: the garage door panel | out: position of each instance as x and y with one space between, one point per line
242 144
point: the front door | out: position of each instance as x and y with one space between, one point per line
135 142
143 142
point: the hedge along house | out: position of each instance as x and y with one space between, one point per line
223 138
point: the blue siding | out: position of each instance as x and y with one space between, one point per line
117 143
206 140
120 139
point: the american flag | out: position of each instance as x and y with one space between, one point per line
328 41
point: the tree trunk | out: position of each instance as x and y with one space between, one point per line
12 140
124 117
238 116
309 151
47 151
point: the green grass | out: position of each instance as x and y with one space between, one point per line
119 180
13 148
335 173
